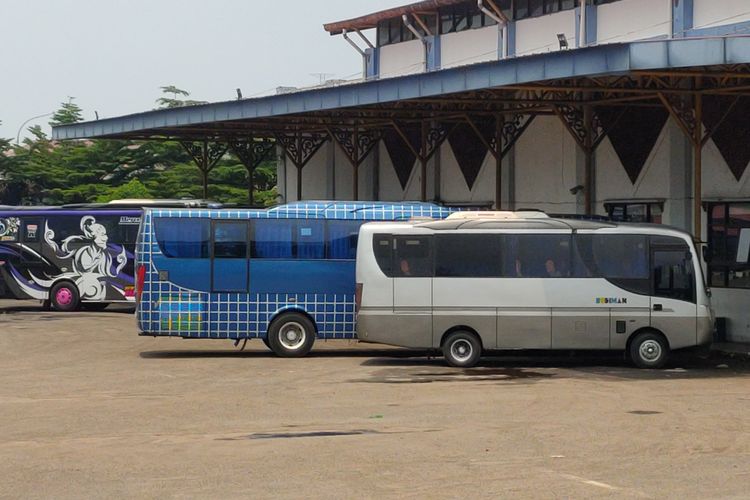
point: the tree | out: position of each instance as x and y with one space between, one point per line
134 189
69 112
175 101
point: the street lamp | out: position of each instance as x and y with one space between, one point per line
18 135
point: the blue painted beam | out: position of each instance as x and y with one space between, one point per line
682 17
616 58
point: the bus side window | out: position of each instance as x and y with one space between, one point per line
32 230
273 238
183 238
383 249
413 257
310 239
342 239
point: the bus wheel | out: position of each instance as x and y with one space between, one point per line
462 349
64 297
649 350
291 335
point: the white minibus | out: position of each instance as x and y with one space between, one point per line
506 281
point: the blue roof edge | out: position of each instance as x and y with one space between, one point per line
590 61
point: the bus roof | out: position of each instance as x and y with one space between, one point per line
347 210
537 223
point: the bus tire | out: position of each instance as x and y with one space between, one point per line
291 335
64 297
462 349
649 350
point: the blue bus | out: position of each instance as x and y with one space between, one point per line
284 275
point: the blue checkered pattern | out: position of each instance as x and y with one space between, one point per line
169 310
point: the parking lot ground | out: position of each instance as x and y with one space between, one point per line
89 409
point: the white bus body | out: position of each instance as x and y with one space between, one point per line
467 285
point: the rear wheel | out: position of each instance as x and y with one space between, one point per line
649 350
64 297
291 335
462 349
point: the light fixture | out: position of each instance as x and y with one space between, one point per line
562 39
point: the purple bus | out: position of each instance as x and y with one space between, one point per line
74 256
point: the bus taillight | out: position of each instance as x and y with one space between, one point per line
140 279
358 297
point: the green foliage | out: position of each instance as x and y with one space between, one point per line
44 172
175 102
69 112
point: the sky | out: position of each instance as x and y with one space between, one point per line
113 55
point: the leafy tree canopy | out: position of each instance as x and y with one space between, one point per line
173 98
40 171
69 112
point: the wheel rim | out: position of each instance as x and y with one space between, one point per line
64 297
462 350
292 335
650 350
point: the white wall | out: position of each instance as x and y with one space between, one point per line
469 47
708 13
402 58
545 168
612 181
718 181
453 187
628 20
732 304
539 34
390 187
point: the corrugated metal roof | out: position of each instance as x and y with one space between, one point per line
371 20
602 60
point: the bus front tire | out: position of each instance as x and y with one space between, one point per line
291 335
649 350
462 349
64 297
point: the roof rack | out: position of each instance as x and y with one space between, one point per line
499 215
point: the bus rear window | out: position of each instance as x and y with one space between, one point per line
183 238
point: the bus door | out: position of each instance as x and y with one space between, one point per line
230 269
673 303
32 232
412 289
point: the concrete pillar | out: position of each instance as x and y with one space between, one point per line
437 173
581 167
330 180
679 207
509 180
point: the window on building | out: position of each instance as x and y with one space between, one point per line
636 211
729 245
535 8
463 17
